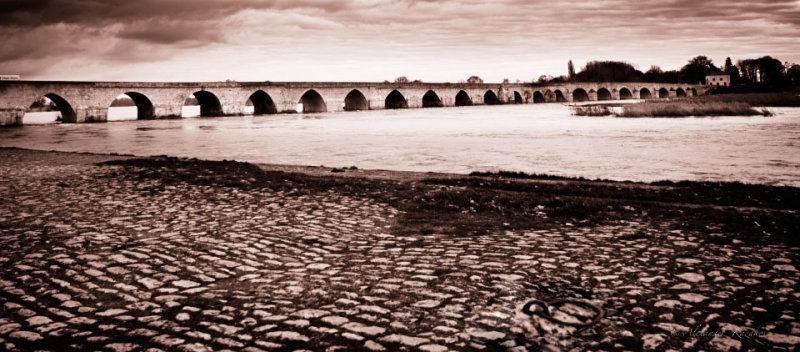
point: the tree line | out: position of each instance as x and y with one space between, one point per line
761 72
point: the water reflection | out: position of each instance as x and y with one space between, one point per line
541 138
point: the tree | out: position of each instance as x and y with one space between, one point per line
124 101
653 74
748 71
697 69
45 104
546 79
401 79
40 103
771 71
732 71
793 75
474 79
570 70
543 79
609 71
764 70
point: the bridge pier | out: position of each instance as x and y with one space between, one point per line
91 114
10 117
167 112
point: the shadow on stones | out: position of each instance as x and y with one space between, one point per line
488 203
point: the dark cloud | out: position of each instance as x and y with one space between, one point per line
99 12
165 31
156 21
521 37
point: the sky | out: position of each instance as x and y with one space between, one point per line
377 40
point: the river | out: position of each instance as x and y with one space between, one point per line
537 138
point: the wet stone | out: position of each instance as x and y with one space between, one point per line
433 348
364 329
311 313
25 335
111 312
692 297
195 347
410 341
335 320
150 283
691 277
351 336
122 347
374 346
185 284
487 335
167 340
652 341
39 320
287 336
429 303
725 343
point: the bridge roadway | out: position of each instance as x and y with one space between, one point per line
89 101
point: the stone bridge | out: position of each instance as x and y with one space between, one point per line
89 101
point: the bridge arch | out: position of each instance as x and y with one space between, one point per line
463 99
549 96
603 94
144 107
518 98
560 96
580 95
490 98
262 103
644 93
663 93
625 93
395 100
680 92
208 102
694 92
40 110
538 97
355 101
311 101
431 100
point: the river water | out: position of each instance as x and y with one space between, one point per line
538 138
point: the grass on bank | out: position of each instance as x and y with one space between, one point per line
782 99
753 104
674 109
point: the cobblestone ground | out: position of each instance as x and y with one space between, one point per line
95 260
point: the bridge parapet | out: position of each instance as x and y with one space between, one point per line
89 101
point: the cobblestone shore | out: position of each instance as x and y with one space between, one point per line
97 257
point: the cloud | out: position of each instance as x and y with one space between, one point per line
99 12
168 31
380 39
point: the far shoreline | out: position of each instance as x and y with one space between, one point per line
712 105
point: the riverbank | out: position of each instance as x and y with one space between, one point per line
118 252
753 104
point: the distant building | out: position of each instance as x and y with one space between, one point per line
9 77
718 78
